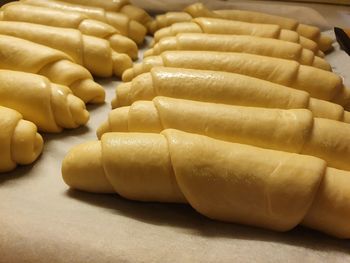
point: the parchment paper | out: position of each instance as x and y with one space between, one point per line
41 220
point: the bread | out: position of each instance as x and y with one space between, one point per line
222 87
22 55
239 43
69 19
221 180
51 107
121 22
229 27
19 141
318 83
95 54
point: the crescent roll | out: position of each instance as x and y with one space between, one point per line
222 180
318 83
95 54
230 27
222 87
22 55
293 130
121 22
69 19
51 107
19 141
239 43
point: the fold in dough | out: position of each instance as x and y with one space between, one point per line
318 83
293 130
19 141
121 22
239 43
224 181
228 27
49 106
15 11
22 55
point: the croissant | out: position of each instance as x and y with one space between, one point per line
318 83
17 54
293 130
310 32
93 53
229 27
224 181
19 141
49 106
123 6
121 22
239 43
66 19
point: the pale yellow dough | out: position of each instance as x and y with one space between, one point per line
221 180
318 83
239 43
121 22
229 27
69 19
19 141
49 106
22 55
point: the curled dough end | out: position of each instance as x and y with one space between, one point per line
137 32
77 108
82 168
123 44
121 62
122 95
88 91
26 143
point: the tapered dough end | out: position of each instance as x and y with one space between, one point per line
122 95
88 91
121 62
123 44
118 121
148 53
26 144
137 32
325 43
128 74
321 63
82 168
152 26
78 110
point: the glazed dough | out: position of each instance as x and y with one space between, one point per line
293 130
222 87
239 43
229 27
19 141
221 180
319 83
67 19
22 55
93 53
49 106
121 22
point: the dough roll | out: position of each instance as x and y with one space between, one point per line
95 54
222 87
19 141
229 27
319 83
121 22
239 43
293 130
49 106
22 55
69 19
224 181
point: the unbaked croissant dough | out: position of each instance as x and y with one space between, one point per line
293 130
19 141
319 83
229 27
22 55
239 43
221 180
121 22
49 106
95 54
67 19
123 6
222 87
